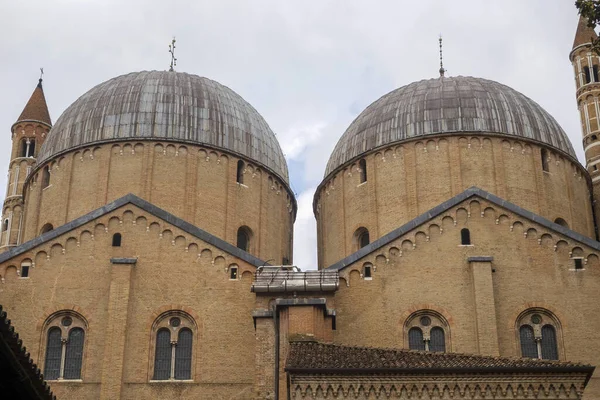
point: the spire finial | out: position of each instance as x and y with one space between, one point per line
41 77
442 70
172 51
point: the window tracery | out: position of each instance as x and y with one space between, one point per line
64 338
173 348
538 335
427 331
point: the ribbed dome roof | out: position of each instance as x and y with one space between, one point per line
446 105
165 105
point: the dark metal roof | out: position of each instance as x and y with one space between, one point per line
311 356
445 206
20 378
146 206
163 105
447 105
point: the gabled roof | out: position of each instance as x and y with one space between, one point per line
146 206
36 108
445 206
20 377
584 34
314 357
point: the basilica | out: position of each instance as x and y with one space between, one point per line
146 246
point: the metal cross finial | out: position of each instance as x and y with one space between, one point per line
442 70
41 77
172 51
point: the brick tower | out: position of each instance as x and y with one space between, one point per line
28 134
587 80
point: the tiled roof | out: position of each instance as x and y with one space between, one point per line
584 33
36 108
314 357
20 377
445 206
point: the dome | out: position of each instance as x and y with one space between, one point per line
163 105
447 105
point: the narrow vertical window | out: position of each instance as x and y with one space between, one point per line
74 354
23 152
438 340
53 355
528 344
183 355
549 347
586 74
31 151
240 172
545 160
361 237
162 358
578 263
415 339
233 273
595 72
24 271
243 238
46 177
362 165
465 236
367 272
5 225
116 241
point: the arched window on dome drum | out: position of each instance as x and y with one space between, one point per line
586 74
528 344
465 236
362 165
45 177
183 355
162 358
240 172
437 340
116 241
74 354
53 354
549 347
243 238
415 339
545 166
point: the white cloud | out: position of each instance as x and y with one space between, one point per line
297 139
305 232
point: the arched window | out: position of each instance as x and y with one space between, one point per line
46 228
538 334
361 238
244 234
240 172
561 222
362 166
45 177
173 356
427 330
544 155
594 138
586 74
116 240
5 225
465 237
23 150
65 339
595 73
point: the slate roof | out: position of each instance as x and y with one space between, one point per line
146 206
584 33
314 357
445 206
170 106
20 378
447 105
36 108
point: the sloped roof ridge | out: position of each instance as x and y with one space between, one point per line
443 207
146 206
315 355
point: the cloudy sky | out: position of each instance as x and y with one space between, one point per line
309 67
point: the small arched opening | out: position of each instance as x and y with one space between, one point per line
362 165
46 228
465 237
116 240
544 155
244 235
240 172
586 74
5 225
561 222
361 238
45 177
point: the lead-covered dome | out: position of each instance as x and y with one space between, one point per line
446 105
166 105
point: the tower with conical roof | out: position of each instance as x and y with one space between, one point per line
587 81
28 134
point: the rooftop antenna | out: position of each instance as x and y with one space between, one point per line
442 70
172 51
41 76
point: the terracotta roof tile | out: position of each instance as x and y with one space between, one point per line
584 33
319 356
36 108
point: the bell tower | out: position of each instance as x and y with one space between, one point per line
28 134
586 64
